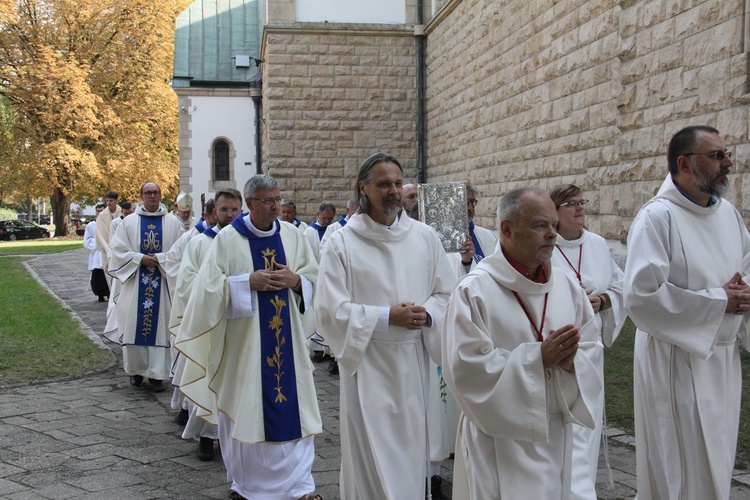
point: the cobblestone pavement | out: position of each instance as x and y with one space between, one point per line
97 437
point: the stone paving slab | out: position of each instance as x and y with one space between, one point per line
98 437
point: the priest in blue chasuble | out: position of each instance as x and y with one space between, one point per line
138 255
248 366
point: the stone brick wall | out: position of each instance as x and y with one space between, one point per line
333 95
518 92
545 92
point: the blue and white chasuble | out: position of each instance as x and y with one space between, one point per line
254 368
320 229
280 405
149 281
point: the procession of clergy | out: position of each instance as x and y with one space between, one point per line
494 353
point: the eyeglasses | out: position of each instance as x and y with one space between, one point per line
473 203
719 154
573 203
225 210
151 193
270 201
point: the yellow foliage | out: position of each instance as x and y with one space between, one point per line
88 82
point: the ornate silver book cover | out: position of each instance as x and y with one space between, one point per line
442 206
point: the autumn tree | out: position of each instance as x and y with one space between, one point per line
88 84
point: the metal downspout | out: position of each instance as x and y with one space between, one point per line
258 149
421 77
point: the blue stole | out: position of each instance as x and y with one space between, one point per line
478 252
149 281
297 222
320 229
281 419
199 226
342 220
210 232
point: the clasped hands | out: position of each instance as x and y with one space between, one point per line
150 260
274 280
560 347
596 300
408 315
738 295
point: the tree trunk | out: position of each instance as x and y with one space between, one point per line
60 212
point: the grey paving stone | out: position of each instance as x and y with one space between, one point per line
60 491
7 486
104 481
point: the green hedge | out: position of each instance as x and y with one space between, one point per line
8 214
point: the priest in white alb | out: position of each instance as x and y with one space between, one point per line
139 249
218 213
103 223
685 289
584 256
244 333
517 339
181 294
383 285
114 289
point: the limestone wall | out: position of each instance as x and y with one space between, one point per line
546 92
518 92
333 95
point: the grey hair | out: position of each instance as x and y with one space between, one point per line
471 189
289 203
510 208
352 203
259 182
365 176
326 205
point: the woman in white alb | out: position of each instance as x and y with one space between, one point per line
585 257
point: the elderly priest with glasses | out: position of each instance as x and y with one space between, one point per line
250 371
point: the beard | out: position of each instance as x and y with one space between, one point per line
392 205
712 186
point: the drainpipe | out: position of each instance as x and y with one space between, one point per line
258 149
421 111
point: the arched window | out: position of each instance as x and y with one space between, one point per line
221 160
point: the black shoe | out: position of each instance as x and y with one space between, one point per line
206 449
318 356
157 385
333 367
101 299
136 380
182 417
436 483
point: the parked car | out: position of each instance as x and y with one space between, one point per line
79 223
38 218
21 230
